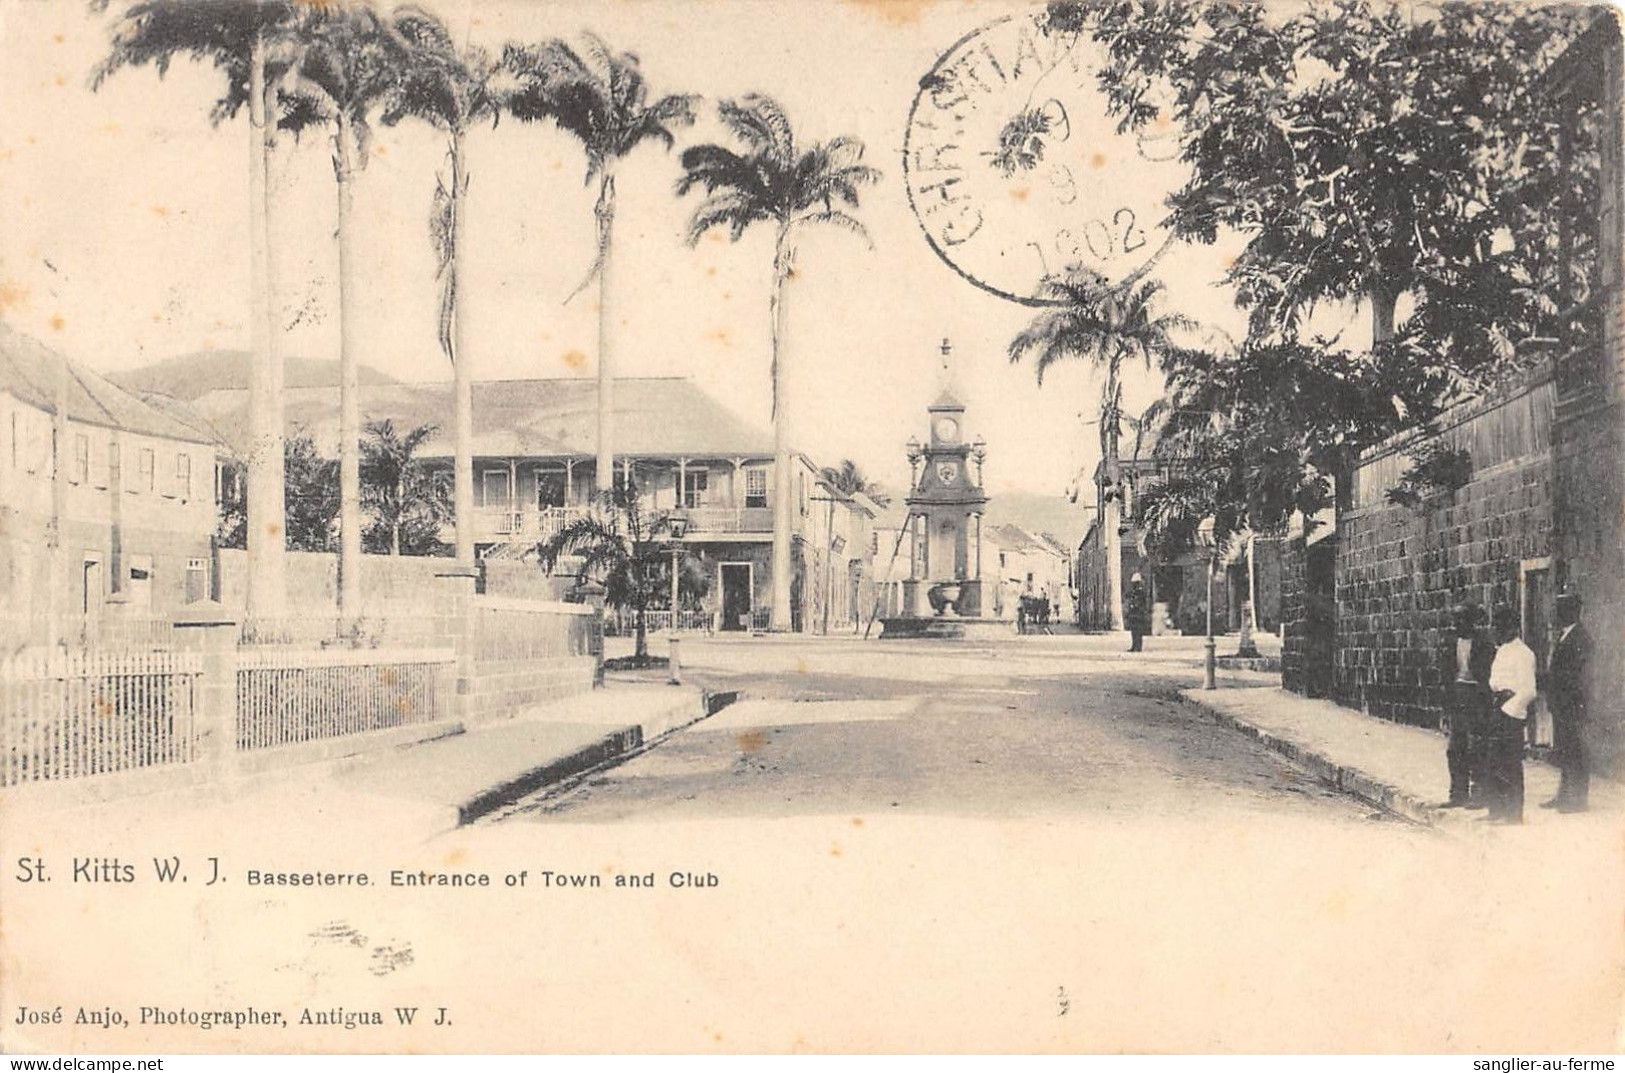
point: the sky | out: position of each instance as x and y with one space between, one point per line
126 219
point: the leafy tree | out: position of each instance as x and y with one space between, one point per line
1365 153
1271 427
347 64
848 479
451 89
621 546
407 501
250 42
313 497
602 100
231 512
1365 150
775 181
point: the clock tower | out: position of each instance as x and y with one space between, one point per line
945 504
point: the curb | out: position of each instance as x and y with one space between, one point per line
612 748
492 798
1350 780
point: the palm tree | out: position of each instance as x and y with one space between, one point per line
451 89
348 64
603 101
248 40
849 480
1106 326
620 545
407 501
790 188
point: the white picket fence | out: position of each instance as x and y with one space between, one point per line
291 696
69 714
625 623
120 702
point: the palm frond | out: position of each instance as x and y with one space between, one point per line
836 218
759 121
734 211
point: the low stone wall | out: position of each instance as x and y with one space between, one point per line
312 578
521 580
505 688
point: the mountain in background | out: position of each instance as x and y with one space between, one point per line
1055 515
190 376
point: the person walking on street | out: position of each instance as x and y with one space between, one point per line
1512 687
1467 670
1138 613
1566 697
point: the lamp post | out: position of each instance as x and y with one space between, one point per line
1209 677
1207 536
678 527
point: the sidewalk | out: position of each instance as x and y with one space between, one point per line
1400 768
395 796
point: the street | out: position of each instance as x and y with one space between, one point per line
1026 727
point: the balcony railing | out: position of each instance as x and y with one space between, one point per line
528 525
505 523
729 519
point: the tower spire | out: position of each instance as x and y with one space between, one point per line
946 393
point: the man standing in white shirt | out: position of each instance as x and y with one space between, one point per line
1512 685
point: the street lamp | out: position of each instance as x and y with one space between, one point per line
678 527
978 452
1207 536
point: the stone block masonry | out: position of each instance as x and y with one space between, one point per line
1402 570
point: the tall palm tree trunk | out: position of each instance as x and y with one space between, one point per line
349 386
783 491
266 506
606 347
462 373
1113 520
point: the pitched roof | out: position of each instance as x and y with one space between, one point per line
31 371
1012 537
655 416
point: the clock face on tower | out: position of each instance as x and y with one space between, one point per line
947 472
946 428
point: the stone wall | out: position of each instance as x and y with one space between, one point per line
1094 594
1589 430
1267 582
1402 570
521 580
312 579
1397 571
1294 637
504 688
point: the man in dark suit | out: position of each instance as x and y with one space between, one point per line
1566 697
1137 609
1466 663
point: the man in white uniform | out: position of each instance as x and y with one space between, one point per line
1512 685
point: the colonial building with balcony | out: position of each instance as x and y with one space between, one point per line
105 499
684 452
